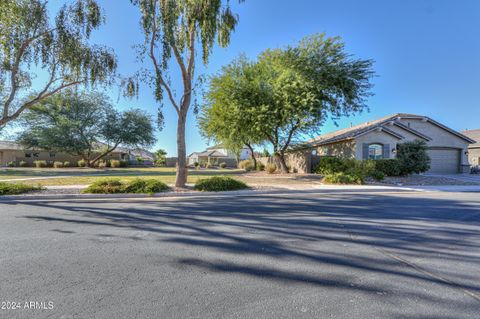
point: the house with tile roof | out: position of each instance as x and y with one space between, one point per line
447 148
217 154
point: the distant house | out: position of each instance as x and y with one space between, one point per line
474 149
14 152
218 154
447 148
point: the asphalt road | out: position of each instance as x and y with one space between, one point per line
363 255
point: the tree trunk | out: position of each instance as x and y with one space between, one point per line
283 163
253 156
181 176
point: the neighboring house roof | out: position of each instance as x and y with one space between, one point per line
11 146
220 146
382 125
142 153
475 135
214 153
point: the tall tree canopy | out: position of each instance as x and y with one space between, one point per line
226 115
29 41
289 93
173 30
84 124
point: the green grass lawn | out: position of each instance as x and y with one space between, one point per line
76 176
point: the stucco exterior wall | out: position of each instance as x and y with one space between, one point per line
375 137
299 161
474 157
439 136
344 149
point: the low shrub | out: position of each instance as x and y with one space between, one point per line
145 186
23 164
223 165
57 164
208 165
102 164
271 168
11 164
67 164
196 164
15 189
330 165
40 164
219 184
246 165
115 163
123 163
260 166
116 186
82 163
343 178
106 186
377 175
413 157
389 167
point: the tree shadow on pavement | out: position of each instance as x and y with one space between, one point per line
339 240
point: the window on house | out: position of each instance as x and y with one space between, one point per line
52 154
35 154
375 151
28 154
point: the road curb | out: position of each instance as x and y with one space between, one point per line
206 194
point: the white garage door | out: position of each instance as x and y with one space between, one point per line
444 161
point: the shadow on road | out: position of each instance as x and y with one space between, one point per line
332 236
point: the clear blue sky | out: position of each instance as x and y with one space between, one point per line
427 53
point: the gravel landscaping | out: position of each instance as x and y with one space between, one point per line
421 180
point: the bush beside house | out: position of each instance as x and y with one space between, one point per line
411 158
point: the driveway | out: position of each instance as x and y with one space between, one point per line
472 178
314 255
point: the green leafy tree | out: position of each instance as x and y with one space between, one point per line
413 157
160 157
30 41
173 30
85 125
224 116
265 153
289 93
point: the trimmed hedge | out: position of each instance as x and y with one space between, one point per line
145 186
389 167
219 184
15 189
343 178
57 164
40 164
136 186
106 186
